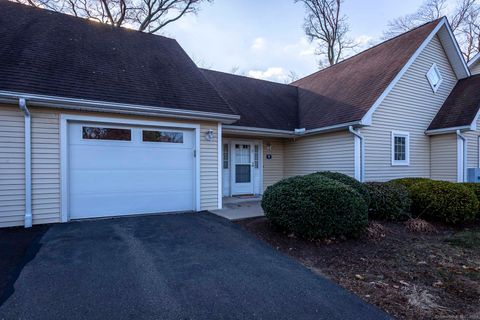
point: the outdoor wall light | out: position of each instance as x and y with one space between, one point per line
210 135
269 146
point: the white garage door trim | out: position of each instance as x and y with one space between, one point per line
65 119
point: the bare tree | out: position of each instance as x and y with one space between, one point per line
144 15
291 77
464 19
325 24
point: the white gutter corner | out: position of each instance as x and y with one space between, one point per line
22 103
461 157
359 154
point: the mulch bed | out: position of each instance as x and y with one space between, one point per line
409 275
17 246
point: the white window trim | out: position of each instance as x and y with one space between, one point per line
406 135
435 69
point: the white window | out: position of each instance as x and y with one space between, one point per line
256 157
225 156
400 148
434 77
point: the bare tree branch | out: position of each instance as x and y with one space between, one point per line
464 19
144 15
325 25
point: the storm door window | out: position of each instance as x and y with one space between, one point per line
243 163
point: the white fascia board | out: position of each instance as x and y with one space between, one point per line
453 51
447 130
472 61
102 106
473 125
367 118
254 131
337 127
242 130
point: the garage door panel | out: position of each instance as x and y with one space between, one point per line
108 178
100 181
170 202
130 158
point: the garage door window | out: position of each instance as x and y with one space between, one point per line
98 133
162 136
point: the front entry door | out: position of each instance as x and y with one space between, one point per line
242 177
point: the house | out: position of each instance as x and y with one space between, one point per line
99 121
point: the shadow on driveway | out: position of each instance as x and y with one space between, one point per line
185 266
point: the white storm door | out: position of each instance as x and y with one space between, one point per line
242 171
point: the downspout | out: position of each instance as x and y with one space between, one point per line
357 135
461 178
22 103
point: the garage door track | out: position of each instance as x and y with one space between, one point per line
186 266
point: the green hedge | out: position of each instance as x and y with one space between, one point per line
408 182
388 201
315 206
349 181
475 187
444 201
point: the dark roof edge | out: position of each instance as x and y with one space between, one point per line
247 77
373 47
105 106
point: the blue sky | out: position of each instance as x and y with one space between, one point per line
265 38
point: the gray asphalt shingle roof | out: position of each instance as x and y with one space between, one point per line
49 53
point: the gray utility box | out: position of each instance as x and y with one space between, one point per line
473 175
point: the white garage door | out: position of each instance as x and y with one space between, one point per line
122 170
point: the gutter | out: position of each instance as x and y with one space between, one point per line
359 154
461 158
286 133
447 130
22 103
102 106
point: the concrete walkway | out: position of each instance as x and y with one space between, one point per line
240 208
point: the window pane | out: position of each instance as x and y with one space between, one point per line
225 156
96 133
400 148
242 153
242 173
162 136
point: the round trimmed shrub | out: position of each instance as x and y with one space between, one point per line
475 187
315 206
408 182
388 201
349 181
444 201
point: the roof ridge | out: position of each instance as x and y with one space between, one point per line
371 48
86 21
247 77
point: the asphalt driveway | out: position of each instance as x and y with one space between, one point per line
188 266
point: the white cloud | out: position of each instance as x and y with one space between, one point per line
258 44
302 48
277 74
364 41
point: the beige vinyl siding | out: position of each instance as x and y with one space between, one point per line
473 147
12 166
443 150
410 106
273 169
45 167
208 168
475 69
46 196
322 152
